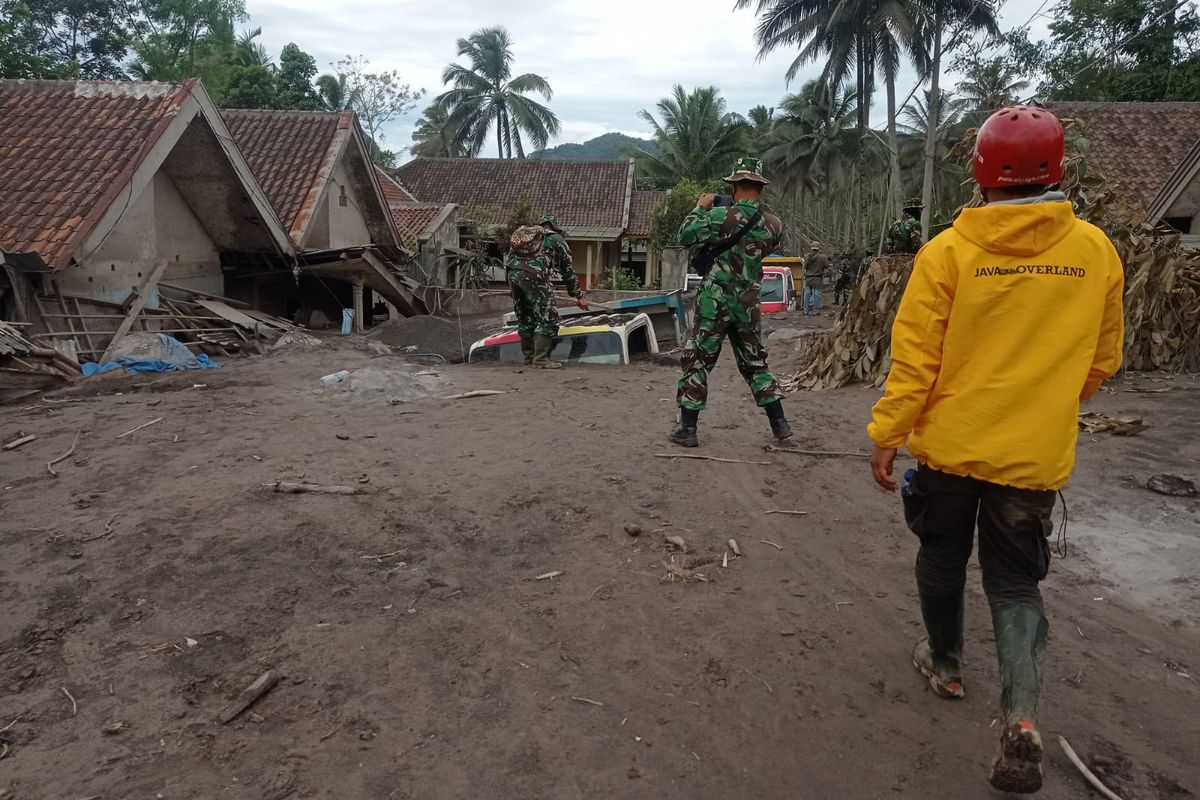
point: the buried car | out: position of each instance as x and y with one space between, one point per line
597 339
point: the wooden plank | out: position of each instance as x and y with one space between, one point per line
18 300
139 302
229 314
87 335
197 293
63 303
270 321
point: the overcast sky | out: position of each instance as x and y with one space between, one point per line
605 61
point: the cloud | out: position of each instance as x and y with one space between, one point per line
605 61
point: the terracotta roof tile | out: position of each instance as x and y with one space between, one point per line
641 212
67 148
413 219
393 192
583 194
1137 145
289 152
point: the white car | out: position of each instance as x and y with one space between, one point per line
595 339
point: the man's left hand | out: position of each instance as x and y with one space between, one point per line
583 304
882 461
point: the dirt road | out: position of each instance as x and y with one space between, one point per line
422 657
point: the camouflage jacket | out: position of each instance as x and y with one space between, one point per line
904 236
558 254
743 262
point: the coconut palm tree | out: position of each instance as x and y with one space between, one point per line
697 137
761 121
334 92
814 138
434 136
916 126
990 85
485 96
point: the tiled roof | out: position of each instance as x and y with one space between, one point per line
413 219
641 212
393 192
1137 145
583 194
291 153
67 149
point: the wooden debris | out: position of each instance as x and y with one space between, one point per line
288 487
789 513
382 556
679 572
74 705
760 680
249 696
733 545
476 393
549 575
712 458
21 442
1088 775
770 448
588 701
1172 485
64 456
677 542
1092 422
108 530
777 547
141 427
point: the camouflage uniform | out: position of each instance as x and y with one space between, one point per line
904 235
728 303
530 279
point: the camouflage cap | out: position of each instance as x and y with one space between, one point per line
747 169
552 221
816 245
913 202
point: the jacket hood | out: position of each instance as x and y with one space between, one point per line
1017 230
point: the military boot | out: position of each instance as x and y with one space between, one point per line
527 349
685 436
1020 638
939 656
542 345
779 423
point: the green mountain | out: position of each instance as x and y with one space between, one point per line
608 147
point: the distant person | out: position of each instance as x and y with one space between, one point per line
732 241
904 235
846 270
1010 319
528 270
815 267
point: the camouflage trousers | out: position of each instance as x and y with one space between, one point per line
533 303
725 313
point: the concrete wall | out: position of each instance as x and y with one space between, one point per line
338 221
155 227
428 268
673 268
1187 205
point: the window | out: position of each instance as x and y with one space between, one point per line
772 288
1180 224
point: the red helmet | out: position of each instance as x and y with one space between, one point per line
1019 146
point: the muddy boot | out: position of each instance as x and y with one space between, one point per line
527 349
779 423
1020 638
939 656
542 345
686 435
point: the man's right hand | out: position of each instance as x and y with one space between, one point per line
882 461
706 201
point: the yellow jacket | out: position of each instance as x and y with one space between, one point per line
1009 319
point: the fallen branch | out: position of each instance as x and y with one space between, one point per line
792 513
64 456
108 530
760 680
712 458
15 443
382 556
770 448
777 547
250 695
74 705
549 575
587 701
1087 773
287 487
9 725
733 545
141 427
476 393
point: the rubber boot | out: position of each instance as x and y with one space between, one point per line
542 345
527 349
685 436
779 423
1020 639
939 656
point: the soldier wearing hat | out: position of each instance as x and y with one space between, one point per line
904 236
734 239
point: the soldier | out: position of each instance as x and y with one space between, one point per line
1009 320
904 236
734 240
557 250
847 269
528 270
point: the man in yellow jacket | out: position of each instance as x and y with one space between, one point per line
1009 320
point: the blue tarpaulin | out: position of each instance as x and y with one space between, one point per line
173 357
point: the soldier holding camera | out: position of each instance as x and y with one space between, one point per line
731 236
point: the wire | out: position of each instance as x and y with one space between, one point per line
1061 544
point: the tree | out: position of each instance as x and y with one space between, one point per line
989 83
21 53
761 121
187 38
486 96
434 136
664 227
377 98
294 79
966 16
63 38
249 87
814 139
697 138
919 129
333 92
